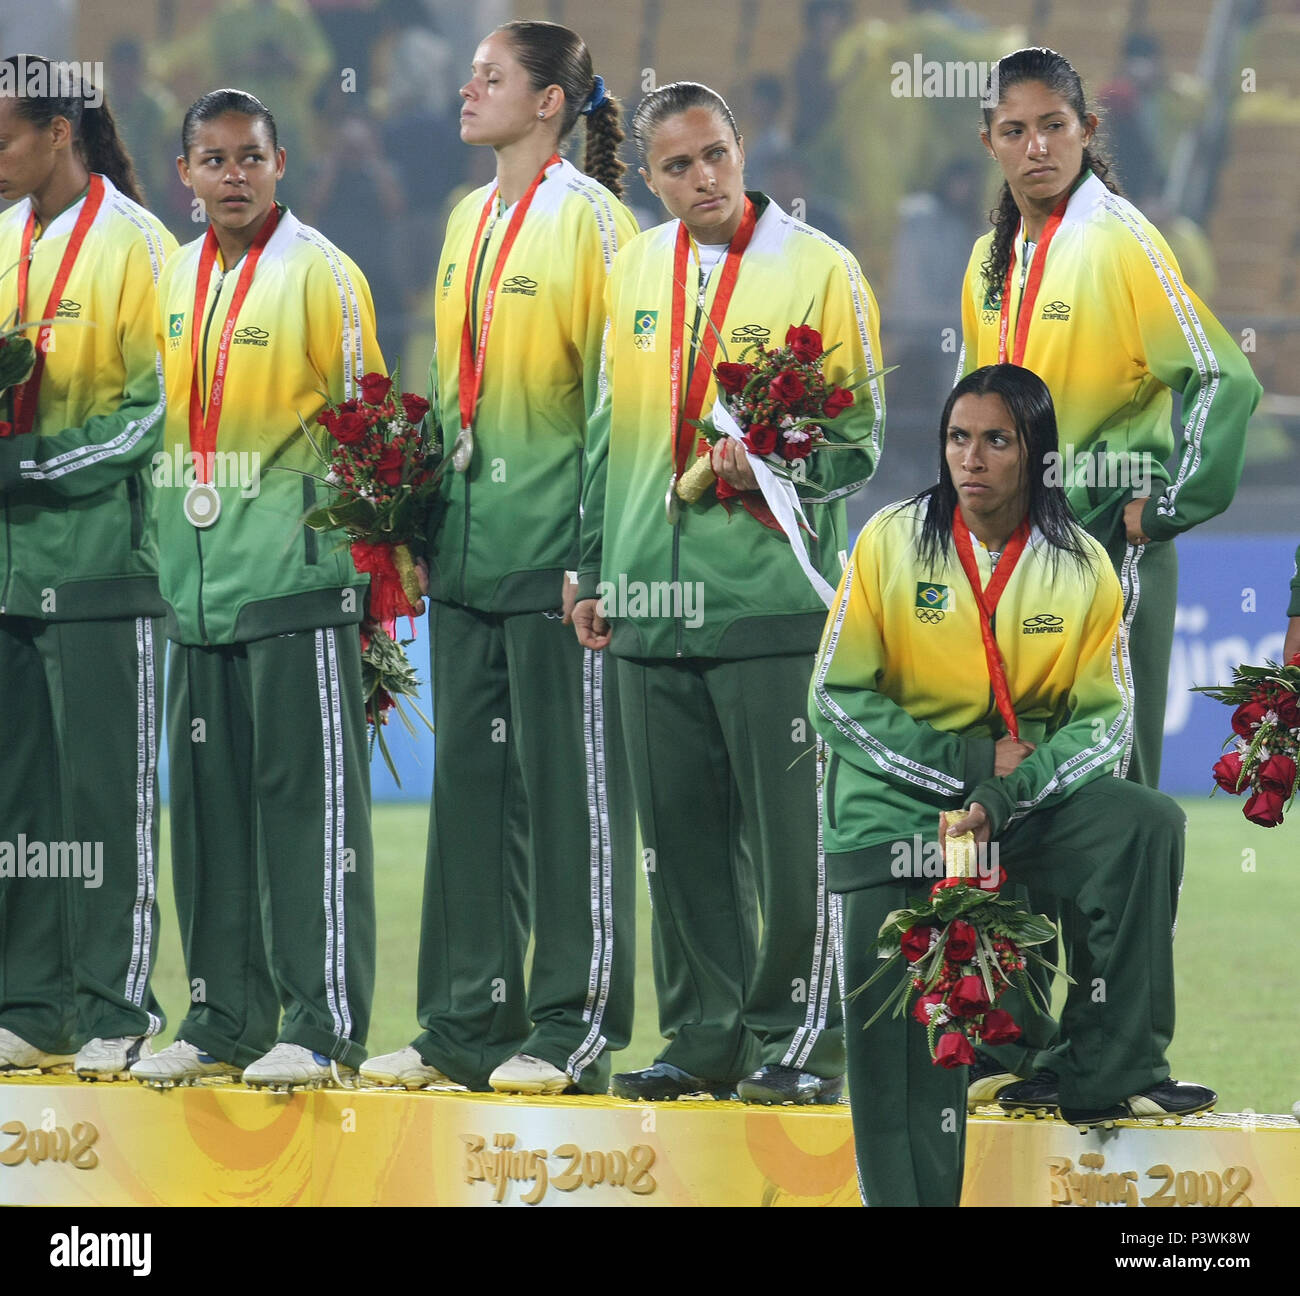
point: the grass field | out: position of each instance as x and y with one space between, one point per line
1236 1004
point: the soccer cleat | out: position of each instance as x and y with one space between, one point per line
291 1066
405 1069
773 1085
16 1054
1039 1096
664 1082
180 1063
527 1074
987 1079
1167 1102
111 1059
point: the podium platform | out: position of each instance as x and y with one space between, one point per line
68 1143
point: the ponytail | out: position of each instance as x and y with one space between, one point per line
604 135
104 151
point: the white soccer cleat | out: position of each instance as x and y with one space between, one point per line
180 1063
291 1066
527 1074
111 1059
16 1054
405 1069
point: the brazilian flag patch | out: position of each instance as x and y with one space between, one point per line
446 279
176 325
644 324
934 597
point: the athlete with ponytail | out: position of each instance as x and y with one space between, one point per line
80 663
1075 284
527 787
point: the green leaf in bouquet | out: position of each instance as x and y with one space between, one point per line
17 355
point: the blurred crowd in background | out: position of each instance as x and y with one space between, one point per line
366 97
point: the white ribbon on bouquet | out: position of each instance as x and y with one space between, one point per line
781 498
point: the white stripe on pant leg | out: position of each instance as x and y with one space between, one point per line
340 834
146 756
837 940
823 961
601 863
1131 590
331 871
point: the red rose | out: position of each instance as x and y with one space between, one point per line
1277 774
805 342
6 429
374 387
416 407
953 1050
916 943
968 998
999 1027
1264 808
761 438
1247 716
327 418
836 402
1288 710
389 467
349 428
921 1008
962 940
1227 773
786 388
792 450
733 377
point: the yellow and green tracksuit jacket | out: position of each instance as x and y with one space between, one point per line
306 329
901 693
719 584
1115 332
77 540
508 526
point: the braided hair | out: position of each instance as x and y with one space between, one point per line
554 55
1055 72
94 129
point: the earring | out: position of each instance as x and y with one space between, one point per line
541 116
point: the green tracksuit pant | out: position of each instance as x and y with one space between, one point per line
730 829
78 794
531 827
271 849
1111 857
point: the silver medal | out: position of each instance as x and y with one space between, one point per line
202 505
463 451
672 505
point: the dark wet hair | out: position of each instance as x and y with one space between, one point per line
93 127
215 104
669 100
1030 405
1054 71
554 55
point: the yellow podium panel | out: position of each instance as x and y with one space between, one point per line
74 1144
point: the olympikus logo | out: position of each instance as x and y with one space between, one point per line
1057 310
521 284
69 309
1043 623
251 335
750 333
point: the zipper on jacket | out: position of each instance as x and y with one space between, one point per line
203 381
198 545
137 512
473 332
832 769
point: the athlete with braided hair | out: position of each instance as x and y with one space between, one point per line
528 795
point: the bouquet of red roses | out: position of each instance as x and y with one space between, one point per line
960 950
1266 742
780 399
384 468
17 355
